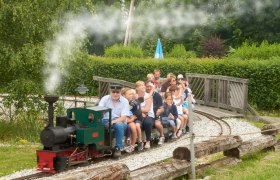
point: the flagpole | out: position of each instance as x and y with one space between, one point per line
128 32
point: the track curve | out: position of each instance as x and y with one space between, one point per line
218 120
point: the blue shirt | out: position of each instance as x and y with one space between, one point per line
157 101
120 108
133 110
170 109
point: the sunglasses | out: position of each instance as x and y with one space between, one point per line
114 91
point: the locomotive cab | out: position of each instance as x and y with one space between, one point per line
91 131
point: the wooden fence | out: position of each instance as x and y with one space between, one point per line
8 112
211 90
220 91
104 84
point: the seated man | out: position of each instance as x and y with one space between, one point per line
120 110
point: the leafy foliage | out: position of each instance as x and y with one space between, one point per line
246 20
119 51
179 51
263 75
251 51
23 97
213 47
26 126
25 26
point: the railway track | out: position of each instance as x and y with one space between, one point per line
34 176
39 175
218 120
222 124
42 175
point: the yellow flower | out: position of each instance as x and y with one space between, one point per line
23 141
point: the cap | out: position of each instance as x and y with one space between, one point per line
115 86
180 76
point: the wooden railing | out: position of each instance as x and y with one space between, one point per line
104 84
220 91
8 112
224 92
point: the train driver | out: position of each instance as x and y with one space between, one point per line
120 110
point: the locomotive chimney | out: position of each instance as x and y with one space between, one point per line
51 99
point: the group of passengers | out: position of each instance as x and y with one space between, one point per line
151 104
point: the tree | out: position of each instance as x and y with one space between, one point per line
213 47
25 26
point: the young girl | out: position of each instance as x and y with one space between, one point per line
170 113
129 94
178 100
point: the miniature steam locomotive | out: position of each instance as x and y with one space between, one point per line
77 137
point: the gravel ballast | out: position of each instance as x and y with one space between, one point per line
204 129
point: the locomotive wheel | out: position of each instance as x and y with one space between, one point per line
61 163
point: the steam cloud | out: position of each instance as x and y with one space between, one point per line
168 20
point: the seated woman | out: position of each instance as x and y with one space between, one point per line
170 113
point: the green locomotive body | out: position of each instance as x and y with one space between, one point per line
77 137
91 131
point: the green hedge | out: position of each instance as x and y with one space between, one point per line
179 51
264 76
252 51
264 91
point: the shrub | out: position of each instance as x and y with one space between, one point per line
179 51
27 126
263 75
251 51
148 44
213 47
24 96
119 51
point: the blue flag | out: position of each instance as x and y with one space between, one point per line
159 53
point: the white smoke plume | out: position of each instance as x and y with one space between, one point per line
169 20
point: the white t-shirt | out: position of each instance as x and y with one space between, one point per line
151 111
179 108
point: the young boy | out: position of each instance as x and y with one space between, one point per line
170 113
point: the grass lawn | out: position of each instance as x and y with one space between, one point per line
17 157
258 166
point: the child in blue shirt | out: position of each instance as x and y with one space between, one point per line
170 113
